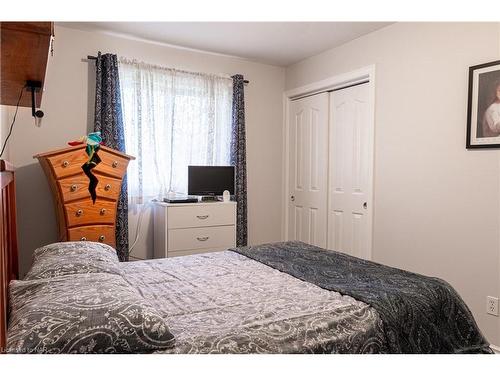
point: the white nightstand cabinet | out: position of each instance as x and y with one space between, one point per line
193 228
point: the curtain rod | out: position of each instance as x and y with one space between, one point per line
246 82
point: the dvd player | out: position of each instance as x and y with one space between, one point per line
184 199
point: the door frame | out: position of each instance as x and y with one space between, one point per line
332 83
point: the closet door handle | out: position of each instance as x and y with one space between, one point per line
292 198
202 217
202 239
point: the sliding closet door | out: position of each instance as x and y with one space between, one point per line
350 171
308 158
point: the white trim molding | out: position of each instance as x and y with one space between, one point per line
329 84
332 83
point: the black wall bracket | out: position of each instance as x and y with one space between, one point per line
34 87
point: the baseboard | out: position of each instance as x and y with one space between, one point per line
495 348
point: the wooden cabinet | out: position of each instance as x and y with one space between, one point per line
193 228
79 219
24 56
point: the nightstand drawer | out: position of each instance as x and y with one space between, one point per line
201 215
183 253
201 238
193 228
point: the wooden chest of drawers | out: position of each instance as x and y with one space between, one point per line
79 219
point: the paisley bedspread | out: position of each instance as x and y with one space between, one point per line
285 297
420 314
227 303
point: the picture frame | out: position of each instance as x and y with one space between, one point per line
483 108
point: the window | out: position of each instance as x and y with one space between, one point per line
172 119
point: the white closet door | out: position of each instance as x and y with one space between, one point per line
350 171
308 158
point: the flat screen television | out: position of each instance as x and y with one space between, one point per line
204 180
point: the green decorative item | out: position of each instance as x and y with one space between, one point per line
93 142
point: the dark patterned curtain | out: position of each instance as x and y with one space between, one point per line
239 159
109 121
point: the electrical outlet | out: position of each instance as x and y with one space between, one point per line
492 305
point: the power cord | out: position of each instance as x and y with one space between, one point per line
138 228
13 121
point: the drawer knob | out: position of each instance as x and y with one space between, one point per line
115 164
202 239
107 187
103 211
102 238
83 239
65 163
202 217
79 213
73 187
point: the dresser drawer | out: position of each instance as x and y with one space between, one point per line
111 164
68 163
201 238
76 187
83 212
182 253
201 215
95 233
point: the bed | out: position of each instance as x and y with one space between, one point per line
287 297
8 243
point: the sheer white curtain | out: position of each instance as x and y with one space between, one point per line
172 119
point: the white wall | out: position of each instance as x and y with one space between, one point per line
497 342
436 204
68 103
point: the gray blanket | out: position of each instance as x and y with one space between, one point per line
224 302
420 314
220 302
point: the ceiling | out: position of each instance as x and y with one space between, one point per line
276 43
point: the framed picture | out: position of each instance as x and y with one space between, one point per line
483 110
